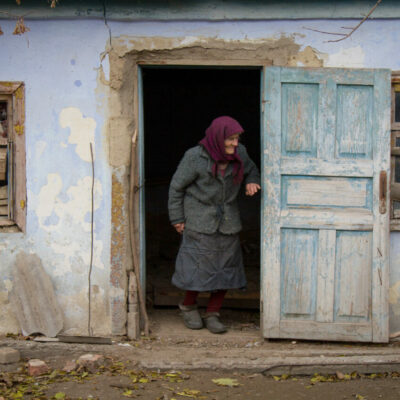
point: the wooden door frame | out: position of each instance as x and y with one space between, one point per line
125 58
140 178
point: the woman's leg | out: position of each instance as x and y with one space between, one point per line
215 302
211 317
191 316
190 298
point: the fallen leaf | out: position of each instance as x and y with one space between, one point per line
59 396
340 375
226 382
359 397
318 378
189 393
53 374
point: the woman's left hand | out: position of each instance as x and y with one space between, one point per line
252 189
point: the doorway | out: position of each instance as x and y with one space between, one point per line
179 104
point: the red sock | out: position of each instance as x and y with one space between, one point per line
190 298
215 302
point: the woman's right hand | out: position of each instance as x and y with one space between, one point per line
180 227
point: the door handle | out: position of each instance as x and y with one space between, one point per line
382 192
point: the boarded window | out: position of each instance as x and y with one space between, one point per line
12 155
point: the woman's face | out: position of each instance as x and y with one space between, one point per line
231 143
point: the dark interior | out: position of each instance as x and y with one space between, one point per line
179 104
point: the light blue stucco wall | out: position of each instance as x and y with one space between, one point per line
67 107
65 110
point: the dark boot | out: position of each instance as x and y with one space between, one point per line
191 316
213 323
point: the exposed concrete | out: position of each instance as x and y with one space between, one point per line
33 298
270 358
9 355
308 57
121 258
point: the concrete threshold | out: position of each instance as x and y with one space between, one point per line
268 358
173 347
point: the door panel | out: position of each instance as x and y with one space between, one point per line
353 276
325 243
354 121
299 119
298 265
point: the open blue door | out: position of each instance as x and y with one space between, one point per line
325 221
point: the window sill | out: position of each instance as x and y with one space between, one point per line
8 226
394 225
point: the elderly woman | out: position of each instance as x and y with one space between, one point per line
203 207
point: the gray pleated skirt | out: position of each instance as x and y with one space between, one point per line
209 262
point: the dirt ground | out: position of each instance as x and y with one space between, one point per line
200 385
122 380
176 363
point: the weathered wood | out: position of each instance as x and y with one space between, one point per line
326 192
321 75
3 210
336 331
395 225
6 222
270 239
326 275
19 160
382 192
325 244
380 246
317 167
9 87
298 272
395 191
327 218
3 192
353 276
3 163
84 339
354 121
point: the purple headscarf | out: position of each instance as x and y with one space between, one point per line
220 129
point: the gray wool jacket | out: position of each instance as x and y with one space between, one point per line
206 203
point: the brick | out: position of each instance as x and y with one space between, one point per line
37 367
70 366
9 355
90 362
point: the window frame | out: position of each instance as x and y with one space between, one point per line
14 92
